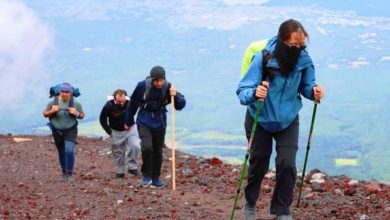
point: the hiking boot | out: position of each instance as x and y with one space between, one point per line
285 217
134 172
249 212
120 175
146 181
157 183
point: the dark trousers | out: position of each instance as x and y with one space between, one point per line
286 149
65 141
151 148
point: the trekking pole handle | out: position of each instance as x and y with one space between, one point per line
317 101
266 85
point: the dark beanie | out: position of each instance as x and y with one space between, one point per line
157 72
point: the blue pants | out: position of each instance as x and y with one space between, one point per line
66 156
286 149
65 141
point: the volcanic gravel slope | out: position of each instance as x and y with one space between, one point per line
31 188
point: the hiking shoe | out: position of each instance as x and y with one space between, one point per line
64 178
70 178
120 175
146 181
134 172
157 183
285 217
249 212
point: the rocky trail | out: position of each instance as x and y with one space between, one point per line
31 188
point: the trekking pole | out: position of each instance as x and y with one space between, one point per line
307 150
173 143
244 165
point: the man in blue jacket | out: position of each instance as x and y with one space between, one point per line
151 96
290 75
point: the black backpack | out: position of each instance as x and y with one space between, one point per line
148 86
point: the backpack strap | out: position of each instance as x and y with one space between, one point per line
71 101
164 93
267 71
148 86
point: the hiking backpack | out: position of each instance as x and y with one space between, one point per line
55 91
250 52
148 86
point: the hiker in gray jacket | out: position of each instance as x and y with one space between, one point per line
125 142
63 123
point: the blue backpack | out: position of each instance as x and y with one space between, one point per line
55 92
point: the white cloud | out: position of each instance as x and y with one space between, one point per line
385 58
371 41
358 63
367 36
333 66
320 29
25 40
244 2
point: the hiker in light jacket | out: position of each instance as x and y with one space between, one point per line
290 75
151 96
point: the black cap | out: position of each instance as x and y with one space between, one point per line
157 72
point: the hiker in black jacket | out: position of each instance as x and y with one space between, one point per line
123 140
150 97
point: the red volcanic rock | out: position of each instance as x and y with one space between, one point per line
372 187
349 191
215 161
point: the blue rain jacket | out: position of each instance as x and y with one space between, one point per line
283 100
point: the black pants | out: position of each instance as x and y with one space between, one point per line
286 149
151 148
